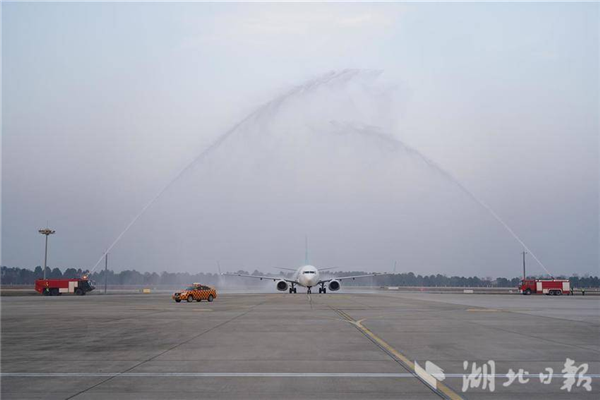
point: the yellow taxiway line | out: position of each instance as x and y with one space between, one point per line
416 369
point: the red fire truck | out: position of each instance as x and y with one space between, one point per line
555 287
56 287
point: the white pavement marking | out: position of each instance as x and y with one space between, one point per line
249 375
208 374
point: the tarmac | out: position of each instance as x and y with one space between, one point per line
344 345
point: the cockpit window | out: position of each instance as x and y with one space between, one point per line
309 272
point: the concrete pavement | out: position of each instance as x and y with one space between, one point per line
335 346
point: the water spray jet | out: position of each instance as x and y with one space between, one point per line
269 109
331 77
375 133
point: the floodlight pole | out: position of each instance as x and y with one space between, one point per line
45 256
105 272
524 274
46 232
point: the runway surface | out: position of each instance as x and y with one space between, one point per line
348 345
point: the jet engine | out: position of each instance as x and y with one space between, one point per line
282 285
334 285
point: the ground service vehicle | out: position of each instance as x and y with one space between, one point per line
56 287
196 292
554 287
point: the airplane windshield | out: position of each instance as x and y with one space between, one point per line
309 272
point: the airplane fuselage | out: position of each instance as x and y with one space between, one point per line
307 276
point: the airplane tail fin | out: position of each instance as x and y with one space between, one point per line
306 249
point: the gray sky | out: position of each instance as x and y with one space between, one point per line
104 103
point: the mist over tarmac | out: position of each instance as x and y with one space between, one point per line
336 153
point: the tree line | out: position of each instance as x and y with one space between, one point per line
24 276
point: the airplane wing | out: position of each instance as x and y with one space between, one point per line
328 268
341 278
271 278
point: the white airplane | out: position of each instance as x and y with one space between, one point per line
306 276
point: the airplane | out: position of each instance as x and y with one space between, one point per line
306 276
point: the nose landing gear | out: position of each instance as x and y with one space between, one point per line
309 291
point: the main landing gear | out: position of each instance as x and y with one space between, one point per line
293 289
323 289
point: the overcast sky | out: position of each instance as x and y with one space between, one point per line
103 104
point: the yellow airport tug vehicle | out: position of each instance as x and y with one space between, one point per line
196 292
